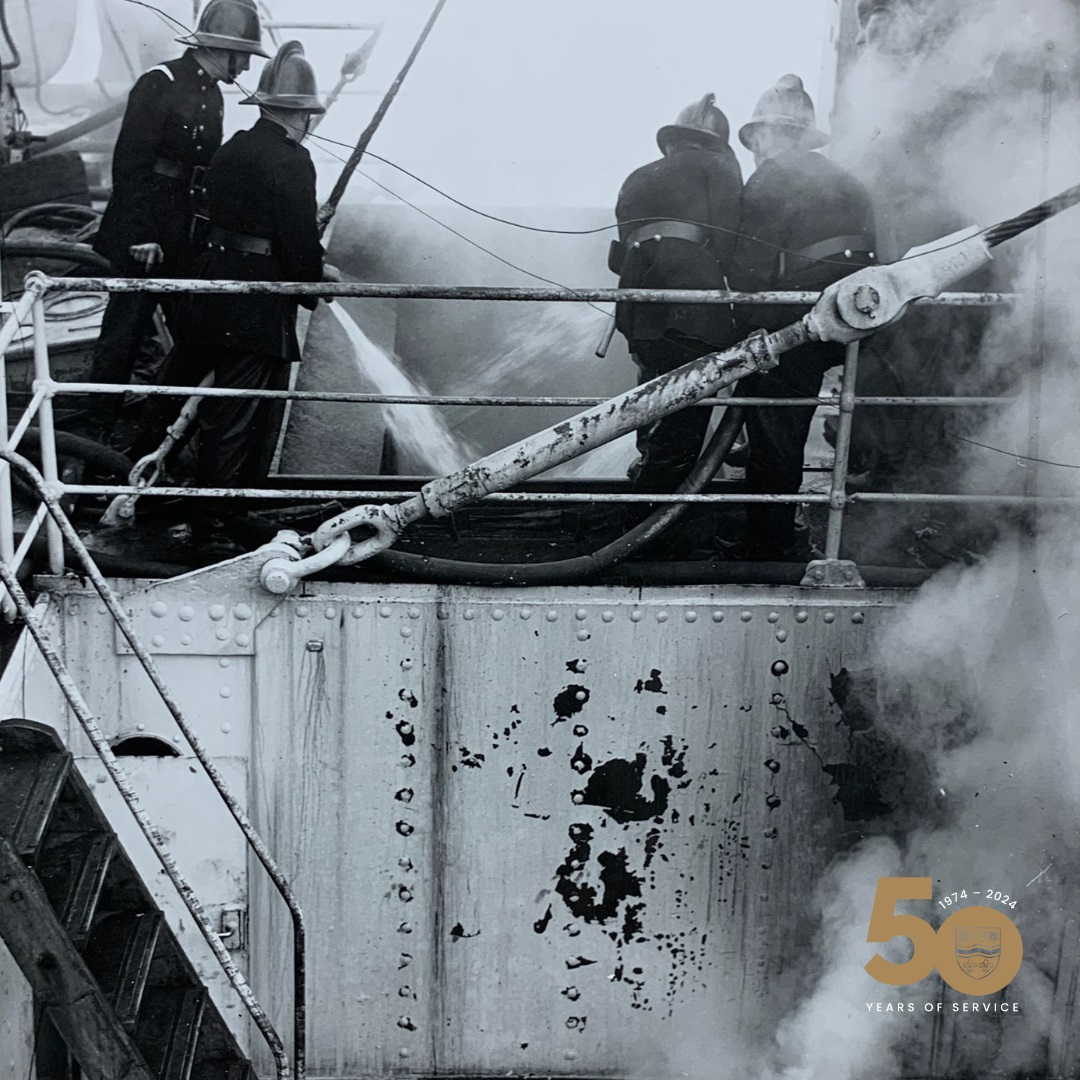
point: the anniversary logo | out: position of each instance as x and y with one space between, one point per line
977 950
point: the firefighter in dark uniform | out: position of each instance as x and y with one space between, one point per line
677 225
805 224
171 130
263 226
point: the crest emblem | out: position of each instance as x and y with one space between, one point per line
978 950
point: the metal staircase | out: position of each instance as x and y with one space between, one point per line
104 966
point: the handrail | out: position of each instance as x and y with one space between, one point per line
52 387
255 842
97 738
357 289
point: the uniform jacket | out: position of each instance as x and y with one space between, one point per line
691 185
174 114
792 201
260 183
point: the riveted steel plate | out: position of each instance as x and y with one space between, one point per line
531 827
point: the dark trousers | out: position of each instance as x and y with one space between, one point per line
124 345
778 440
668 448
237 435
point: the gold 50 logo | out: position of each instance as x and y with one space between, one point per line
977 950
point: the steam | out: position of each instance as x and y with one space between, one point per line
830 1036
977 674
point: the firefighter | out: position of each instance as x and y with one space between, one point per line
677 218
263 226
805 224
171 129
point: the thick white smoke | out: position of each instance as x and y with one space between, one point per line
986 119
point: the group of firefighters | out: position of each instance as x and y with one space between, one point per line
186 206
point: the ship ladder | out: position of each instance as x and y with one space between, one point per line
104 966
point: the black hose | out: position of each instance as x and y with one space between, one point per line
60 250
566 571
59 211
102 460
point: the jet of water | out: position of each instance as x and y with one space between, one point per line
420 431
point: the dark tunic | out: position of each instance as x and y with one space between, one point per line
173 122
702 186
792 201
262 184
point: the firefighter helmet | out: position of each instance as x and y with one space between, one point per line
288 82
702 118
785 105
228 24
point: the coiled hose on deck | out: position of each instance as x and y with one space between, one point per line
566 571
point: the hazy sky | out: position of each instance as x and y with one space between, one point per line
553 102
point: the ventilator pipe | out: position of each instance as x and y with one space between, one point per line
565 571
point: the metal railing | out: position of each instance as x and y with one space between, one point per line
46 388
59 530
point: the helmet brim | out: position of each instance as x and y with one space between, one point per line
674 131
812 139
218 41
296 102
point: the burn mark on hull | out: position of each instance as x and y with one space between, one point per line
653 684
569 702
617 883
616 787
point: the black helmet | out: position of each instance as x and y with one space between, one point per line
228 24
702 118
288 82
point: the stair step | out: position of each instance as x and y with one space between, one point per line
30 785
72 870
60 978
168 1030
120 952
78 919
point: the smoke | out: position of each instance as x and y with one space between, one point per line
829 1037
978 123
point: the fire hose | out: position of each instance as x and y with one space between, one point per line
847 311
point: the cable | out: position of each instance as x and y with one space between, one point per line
614 225
461 235
16 59
161 14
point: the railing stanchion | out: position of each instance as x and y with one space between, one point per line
7 511
49 467
838 490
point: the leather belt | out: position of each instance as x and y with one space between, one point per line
172 169
668 230
235 241
840 245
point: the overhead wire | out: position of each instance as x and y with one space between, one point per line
16 58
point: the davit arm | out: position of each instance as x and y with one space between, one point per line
847 311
